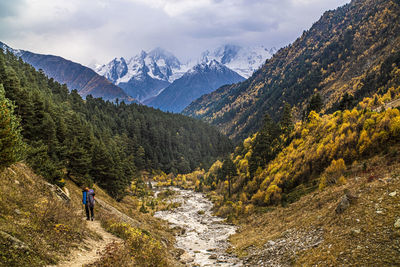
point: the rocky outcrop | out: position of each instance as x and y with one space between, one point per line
14 242
62 195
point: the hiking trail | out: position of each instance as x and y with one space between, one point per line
92 251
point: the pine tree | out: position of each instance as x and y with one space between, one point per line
102 164
10 137
228 171
78 163
266 146
315 104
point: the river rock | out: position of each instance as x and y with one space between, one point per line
213 257
178 253
186 258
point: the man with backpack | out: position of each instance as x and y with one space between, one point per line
88 200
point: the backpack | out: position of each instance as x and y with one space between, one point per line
91 199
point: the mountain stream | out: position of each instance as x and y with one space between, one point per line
204 237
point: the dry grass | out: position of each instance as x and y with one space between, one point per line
31 213
363 235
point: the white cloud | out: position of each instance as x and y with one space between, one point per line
91 31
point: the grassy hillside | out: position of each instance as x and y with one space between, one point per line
347 55
37 228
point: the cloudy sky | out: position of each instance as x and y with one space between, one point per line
95 31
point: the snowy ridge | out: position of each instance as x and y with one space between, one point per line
243 60
206 66
5 48
157 64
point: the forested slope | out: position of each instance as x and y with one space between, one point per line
344 57
99 141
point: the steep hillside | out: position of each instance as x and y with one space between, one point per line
74 75
201 79
311 233
349 50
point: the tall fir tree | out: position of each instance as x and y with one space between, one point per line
10 137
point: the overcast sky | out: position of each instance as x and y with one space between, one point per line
95 31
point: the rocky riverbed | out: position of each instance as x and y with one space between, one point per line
203 237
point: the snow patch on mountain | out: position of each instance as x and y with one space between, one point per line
16 52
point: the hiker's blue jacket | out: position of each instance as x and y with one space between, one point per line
84 197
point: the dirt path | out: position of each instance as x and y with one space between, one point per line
82 256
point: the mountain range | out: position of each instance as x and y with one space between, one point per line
350 53
74 75
156 77
202 79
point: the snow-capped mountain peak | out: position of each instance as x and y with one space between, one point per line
243 60
114 70
207 66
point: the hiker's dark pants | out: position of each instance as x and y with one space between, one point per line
87 208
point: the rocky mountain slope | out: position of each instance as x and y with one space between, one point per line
199 80
74 75
349 50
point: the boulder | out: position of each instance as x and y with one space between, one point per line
351 197
343 205
347 199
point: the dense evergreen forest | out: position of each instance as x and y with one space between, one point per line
94 140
